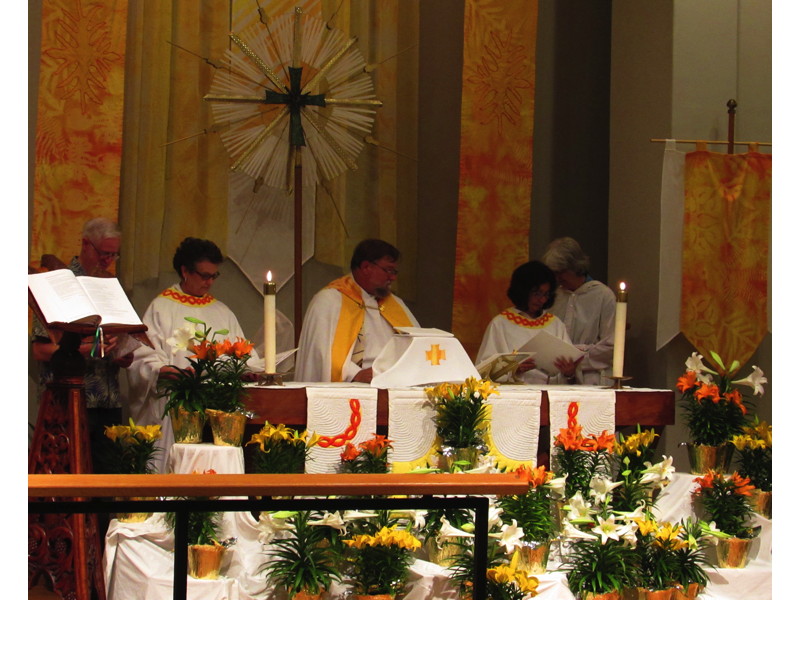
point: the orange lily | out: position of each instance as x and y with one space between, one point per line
240 348
570 438
687 381
375 446
743 484
708 390
706 482
204 350
736 397
350 452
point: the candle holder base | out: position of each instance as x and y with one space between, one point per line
270 379
617 385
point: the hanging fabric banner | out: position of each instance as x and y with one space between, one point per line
78 122
726 252
496 159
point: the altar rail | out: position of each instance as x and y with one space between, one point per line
439 491
650 408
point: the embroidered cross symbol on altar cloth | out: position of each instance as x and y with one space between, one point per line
435 355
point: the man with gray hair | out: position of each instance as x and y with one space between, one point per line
100 242
587 307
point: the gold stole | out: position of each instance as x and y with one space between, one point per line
351 320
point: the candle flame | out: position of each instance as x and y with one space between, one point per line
269 276
622 286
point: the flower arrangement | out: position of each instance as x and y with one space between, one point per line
226 374
187 388
369 457
379 562
658 546
460 412
725 501
305 562
754 450
280 449
714 407
691 561
132 448
533 510
578 458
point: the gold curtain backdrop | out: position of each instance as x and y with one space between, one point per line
496 159
175 170
79 122
726 246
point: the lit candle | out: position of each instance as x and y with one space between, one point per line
269 324
619 331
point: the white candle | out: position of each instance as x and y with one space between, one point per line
269 324
619 331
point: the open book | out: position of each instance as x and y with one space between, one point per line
500 365
546 348
62 298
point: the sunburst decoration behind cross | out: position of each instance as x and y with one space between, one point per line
297 84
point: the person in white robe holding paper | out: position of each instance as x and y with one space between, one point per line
587 307
197 263
531 292
349 322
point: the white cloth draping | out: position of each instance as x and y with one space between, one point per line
596 410
514 423
199 458
341 413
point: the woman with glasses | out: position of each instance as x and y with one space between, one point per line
531 292
197 263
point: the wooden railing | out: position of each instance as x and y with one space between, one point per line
305 492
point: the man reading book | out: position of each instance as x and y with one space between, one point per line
100 242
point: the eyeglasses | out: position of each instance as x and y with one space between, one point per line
540 294
206 276
392 272
103 254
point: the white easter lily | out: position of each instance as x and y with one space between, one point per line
695 364
494 516
660 473
181 338
608 529
575 533
350 515
332 519
510 536
600 487
578 508
271 524
448 531
755 380
558 485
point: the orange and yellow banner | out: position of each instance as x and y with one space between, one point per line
79 121
726 247
494 204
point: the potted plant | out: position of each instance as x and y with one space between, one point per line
754 451
206 546
714 409
131 450
280 449
226 374
690 571
304 564
533 512
369 457
461 417
578 458
379 562
725 501
657 547
187 389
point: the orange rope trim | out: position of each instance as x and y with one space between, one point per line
349 433
186 299
527 322
572 415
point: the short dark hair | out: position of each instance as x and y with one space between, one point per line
192 250
371 250
527 277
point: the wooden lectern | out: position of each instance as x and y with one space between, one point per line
65 550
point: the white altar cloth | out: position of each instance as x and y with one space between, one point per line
199 458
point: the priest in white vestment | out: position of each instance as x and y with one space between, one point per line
587 307
349 322
197 262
